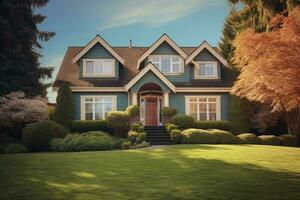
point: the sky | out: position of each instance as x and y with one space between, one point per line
76 22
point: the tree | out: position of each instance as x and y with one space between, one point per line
269 66
19 48
63 113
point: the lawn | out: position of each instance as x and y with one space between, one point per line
172 172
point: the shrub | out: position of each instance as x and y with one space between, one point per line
198 136
117 142
183 121
269 140
80 126
63 113
171 127
222 125
223 137
15 148
176 136
142 137
136 137
126 145
133 110
141 129
119 121
249 138
137 127
167 111
37 135
288 140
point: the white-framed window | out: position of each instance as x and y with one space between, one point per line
206 70
167 64
97 107
98 68
203 108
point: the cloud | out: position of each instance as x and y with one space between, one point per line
150 12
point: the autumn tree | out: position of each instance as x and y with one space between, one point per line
269 67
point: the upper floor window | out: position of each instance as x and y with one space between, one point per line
99 67
167 64
206 70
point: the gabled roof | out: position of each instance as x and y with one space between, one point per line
150 67
92 43
163 38
205 45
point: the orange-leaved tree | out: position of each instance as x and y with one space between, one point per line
270 67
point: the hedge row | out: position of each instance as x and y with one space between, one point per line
80 126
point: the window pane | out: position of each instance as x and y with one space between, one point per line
212 99
89 67
203 107
99 67
209 71
203 99
166 64
88 108
202 70
212 116
203 116
193 110
212 107
98 111
175 59
107 99
88 116
88 99
108 67
176 67
193 99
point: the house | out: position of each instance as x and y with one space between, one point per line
194 80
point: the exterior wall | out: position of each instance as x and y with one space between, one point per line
122 101
178 101
98 52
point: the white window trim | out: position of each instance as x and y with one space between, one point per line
181 63
82 103
84 74
197 69
218 105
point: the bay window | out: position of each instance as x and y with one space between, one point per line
168 64
99 67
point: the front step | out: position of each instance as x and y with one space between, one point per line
157 135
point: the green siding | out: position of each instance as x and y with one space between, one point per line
122 101
98 52
178 101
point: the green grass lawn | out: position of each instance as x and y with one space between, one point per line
173 172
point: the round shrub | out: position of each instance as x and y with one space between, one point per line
37 135
167 111
249 138
142 137
223 137
176 136
126 145
171 127
135 127
133 110
117 142
141 129
80 126
222 125
198 136
288 140
15 148
269 140
183 121
119 121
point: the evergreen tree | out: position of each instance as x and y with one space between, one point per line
19 47
63 113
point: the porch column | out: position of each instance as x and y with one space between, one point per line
166 99
134 98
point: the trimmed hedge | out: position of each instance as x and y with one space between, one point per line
119 121
269 140
223 137
288 140
249 138
137 127
176 136
183 121
133 110
222 125
198 136
171 127
167 111
15 148
81 126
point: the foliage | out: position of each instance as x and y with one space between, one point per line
126 145
171 127
15 148
167 111
183 121
137 127
198 136
288 140
63 113
269 140
133 110
117 142
249 138
223 125
119 121
20 46
176 136
223 137
89 125
137 137
51 110
37 135
17 110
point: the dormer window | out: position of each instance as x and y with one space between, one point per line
167 64
98 68
206 70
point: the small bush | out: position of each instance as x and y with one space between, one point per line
119 121
80 126
221 125
198 136
37 135
249 138
117 142
288 140
135 127
171 127
183 121
136 137
176 136
142 137
141 129
269 140
15 148
169 112
133 110
223 137
126 145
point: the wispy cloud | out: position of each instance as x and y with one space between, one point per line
150 12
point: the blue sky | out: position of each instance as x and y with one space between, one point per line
76 22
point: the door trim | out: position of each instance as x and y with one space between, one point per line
143 108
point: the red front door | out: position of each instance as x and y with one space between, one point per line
151 114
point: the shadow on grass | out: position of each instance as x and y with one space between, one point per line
157 174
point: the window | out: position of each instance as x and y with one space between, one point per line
206 70
167 64
99 67
203 108
97 107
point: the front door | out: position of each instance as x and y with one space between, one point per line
151 111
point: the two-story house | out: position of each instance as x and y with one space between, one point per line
194 80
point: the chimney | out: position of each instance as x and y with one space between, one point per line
130 43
